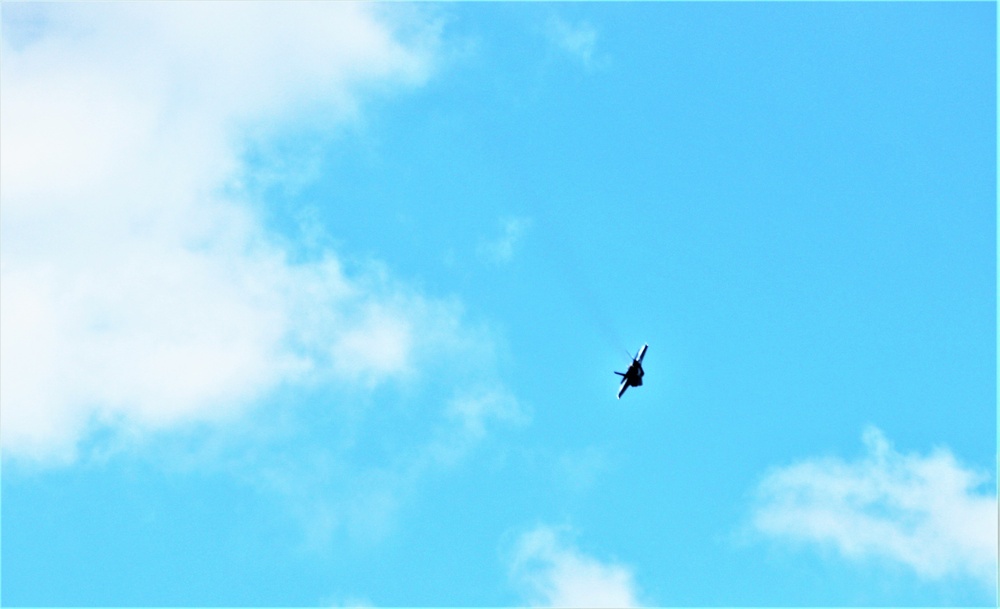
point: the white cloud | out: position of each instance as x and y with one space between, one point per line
138 290
501 250
142 294
922 511
578 40
553 573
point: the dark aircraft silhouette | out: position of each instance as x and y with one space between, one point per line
633 376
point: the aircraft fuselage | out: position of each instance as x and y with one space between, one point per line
633 376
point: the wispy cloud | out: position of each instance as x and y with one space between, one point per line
501 249
577 40
359 603
926 512
553 573
579 471
348 475
139 287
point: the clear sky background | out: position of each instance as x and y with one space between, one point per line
319 304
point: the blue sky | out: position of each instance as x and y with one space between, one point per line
319 304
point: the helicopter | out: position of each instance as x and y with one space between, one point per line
633 376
